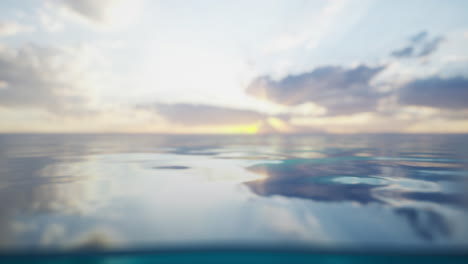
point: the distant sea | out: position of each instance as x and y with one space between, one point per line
125 192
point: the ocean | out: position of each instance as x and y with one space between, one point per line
327 193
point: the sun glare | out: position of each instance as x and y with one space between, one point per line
242 129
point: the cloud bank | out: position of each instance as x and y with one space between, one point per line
448 93
340 90
47 78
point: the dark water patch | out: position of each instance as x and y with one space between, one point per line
195 150
438 198
317 181
360 193
171 167
353 179
306 168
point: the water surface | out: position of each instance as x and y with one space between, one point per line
399 192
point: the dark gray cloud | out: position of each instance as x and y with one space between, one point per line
36 77
418 37
404 52
430 46
436 92
420 46
198 114
340 90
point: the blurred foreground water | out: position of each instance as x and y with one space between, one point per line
124 192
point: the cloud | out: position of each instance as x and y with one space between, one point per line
339 90
311 31
430 46
12 28
93 10
450 93
418 37
404 52
49 78
420 46
102 13
197 114
50 21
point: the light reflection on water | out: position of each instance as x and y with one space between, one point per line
121 191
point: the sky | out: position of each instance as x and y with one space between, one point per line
276 66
